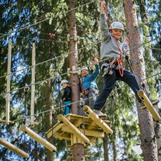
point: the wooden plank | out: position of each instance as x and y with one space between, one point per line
92 126
97 120
8 83
149 105
78 122
62 137
33 84
6 122
92 133
74 129
38 138
13 148
53 130
75 140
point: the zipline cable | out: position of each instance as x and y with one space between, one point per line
62 56
42 81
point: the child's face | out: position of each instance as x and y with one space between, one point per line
117 33
64 85
84 72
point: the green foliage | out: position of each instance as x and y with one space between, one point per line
45 23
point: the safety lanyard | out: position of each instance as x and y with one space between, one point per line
120 61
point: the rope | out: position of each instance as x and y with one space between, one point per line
120 61
50 78
55 58
51 110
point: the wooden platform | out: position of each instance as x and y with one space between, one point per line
83 127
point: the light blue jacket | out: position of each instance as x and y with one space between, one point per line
88 81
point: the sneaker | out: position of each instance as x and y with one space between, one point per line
99 113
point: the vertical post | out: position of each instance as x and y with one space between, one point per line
73 55
78 152
8 83
33 84
77 148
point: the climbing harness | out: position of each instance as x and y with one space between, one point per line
120 61
107 67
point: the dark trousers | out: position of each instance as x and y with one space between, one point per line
109 82
90 98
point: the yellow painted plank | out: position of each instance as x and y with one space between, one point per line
7 122
93 125
78 119
149 105
53 130
73 128
75 140
62 137
97 120
92 133
13 148
38 138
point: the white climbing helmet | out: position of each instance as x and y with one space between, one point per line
117 25
84 68
64 81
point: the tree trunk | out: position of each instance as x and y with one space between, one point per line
105 147
148 53
158 136
148 140
114 147
77 148
73 55
147 39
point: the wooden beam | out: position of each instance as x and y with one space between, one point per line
97 120
78 122
62 137
38 138
92 125
13 148
53 130
76 140
92 133
74 129
6 122
149 105
33 84
8 83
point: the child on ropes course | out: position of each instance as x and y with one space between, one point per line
89 89
111 58
67 96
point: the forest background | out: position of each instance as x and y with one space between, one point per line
45 23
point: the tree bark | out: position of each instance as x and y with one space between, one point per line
148 139
77 148
73 55
148 52
158 137
114 147
105 147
